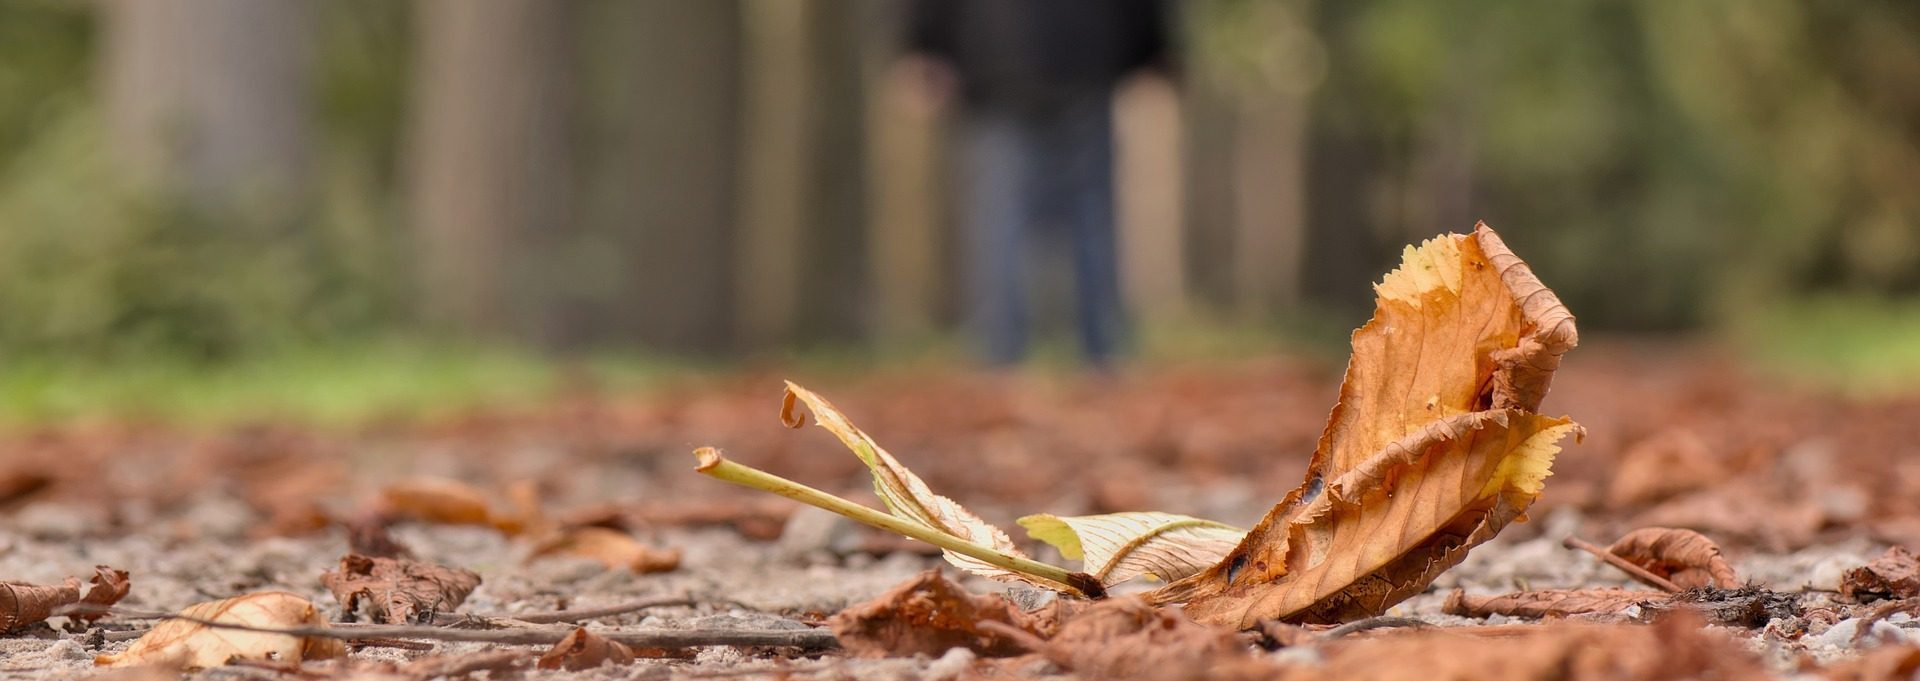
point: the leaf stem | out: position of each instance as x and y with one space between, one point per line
714 464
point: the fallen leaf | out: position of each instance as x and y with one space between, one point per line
613 548
397 591
1675 648
1884 663
198 646
1432 449
906 495
1895 574
22 605
1667 464
1685 557
1549 603
1128 638
437 500
1726 511
930 614
584 649
1117 547
108 587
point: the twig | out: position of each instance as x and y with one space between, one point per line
391 643
1371 623
1627 566
810 639
559 616
714 464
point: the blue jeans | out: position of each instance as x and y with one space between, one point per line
1024 171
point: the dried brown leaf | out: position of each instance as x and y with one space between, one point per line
930 614
22 605
584 649
1676 648
1895 574
1662 466
1433 447
1128 638
1885 663
108 586
438 500
1685 557
398 591
613 548
1550 603
198 646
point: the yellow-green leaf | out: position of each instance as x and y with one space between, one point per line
1117 547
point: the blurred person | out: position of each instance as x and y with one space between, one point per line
1035 82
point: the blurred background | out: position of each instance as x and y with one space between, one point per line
342 206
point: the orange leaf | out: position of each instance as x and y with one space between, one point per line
22 605
1685 557
584 649
612 548
1433 447
438 500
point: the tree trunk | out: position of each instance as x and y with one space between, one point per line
210 101
488 167
659 194
1152 234
803 233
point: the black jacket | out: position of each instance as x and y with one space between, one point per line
1039 54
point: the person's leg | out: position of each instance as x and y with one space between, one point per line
1088 161
998 161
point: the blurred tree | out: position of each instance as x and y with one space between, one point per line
653 260
803 233
490 165
1252 67
212 100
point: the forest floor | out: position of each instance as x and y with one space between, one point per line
1797 485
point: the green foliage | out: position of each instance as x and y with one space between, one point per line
91 270
1863 346
345 385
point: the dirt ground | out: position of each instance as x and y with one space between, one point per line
1796 485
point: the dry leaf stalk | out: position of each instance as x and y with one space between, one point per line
714 464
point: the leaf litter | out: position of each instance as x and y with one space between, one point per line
1210 439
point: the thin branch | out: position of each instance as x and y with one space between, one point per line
1627 566
1372 623
560 616
811 639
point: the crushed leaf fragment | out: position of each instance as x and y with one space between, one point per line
1893 575
930 614
397 591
